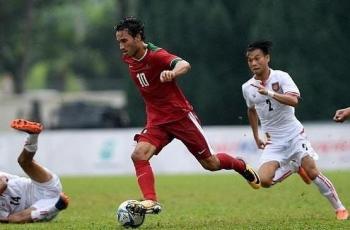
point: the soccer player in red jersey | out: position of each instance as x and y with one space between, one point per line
169 114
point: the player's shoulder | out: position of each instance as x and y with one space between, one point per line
280 74
153 48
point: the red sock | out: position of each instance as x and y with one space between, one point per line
145 179
228 162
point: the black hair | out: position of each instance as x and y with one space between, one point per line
263 45
133 25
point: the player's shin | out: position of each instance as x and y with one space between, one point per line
327 189
145 179
228 162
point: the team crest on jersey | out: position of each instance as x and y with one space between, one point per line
276 86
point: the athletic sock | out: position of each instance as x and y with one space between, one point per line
145 179
228 162
31 144
327 189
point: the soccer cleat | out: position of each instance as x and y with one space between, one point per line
342 214
304 175
144 207
62 202
251 176
27 126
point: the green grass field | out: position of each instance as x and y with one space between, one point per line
208 201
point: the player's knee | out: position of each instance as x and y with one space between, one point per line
313 173
23 161
266 182
210 164
138 155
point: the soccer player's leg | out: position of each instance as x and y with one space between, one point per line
267 173
189 131
149 143
325 186
35 171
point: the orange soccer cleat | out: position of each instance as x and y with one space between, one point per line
342 214
30 127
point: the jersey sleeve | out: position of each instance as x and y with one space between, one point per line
249 103
167 59
288 86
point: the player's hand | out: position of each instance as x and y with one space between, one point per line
167 75
260 143
261 89
341 115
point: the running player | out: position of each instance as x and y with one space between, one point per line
271 96
169 114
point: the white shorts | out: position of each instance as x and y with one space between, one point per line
43 194
284 152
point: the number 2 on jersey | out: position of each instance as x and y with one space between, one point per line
142 79
269 103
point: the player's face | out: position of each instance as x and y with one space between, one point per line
258 62
127 44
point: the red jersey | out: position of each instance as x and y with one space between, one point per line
164 101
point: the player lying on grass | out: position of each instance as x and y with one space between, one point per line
169 114
37 198
271 96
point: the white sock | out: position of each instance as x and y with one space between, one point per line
31 144
327 189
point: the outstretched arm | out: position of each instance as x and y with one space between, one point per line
341 115
254 124
21 217
286 99
180 68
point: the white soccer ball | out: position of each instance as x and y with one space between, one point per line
128 219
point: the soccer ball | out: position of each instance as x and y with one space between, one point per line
128 219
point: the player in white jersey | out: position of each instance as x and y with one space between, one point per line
37 198
271 96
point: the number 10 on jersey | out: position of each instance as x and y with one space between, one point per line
142 79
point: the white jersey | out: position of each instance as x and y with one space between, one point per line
277 120
14 198
22 193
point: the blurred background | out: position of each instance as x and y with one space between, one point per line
60 64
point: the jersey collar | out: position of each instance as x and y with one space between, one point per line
143 56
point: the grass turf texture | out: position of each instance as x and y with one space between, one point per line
207 201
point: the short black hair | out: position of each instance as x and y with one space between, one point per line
133 25
263 45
